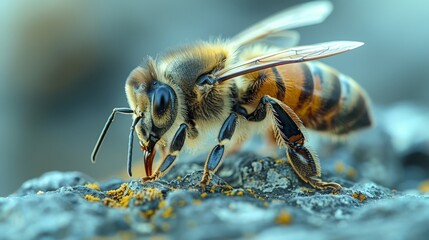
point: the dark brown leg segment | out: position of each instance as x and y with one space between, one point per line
287 129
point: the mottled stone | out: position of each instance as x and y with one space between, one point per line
251 196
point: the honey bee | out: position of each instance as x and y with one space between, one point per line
241 86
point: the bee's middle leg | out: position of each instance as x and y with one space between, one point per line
215 157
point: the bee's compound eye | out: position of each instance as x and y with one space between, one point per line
205 79
162 99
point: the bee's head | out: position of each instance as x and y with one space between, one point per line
155 102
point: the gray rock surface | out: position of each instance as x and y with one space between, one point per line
250 197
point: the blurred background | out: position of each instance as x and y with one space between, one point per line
63 67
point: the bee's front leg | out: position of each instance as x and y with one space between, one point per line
287 129
175 147
215 157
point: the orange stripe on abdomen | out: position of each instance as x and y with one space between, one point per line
325 99
322 98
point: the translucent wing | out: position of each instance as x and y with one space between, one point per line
287 56
282 39
276 25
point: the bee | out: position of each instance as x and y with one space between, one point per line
240 86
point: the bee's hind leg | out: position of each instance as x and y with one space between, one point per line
215 157
286 127
175 147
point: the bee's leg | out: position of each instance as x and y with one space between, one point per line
214 159
286 127
175 147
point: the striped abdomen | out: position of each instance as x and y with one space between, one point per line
323 99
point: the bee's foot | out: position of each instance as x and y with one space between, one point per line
319 184
204 181
151 178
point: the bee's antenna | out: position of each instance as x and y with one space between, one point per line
106 127
130 144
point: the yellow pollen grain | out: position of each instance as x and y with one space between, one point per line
168 212
92 198
119 197
139 196
204 195
153 194
424 186
93 186
229 193
283 218
161 204
110 202
149 213
279 161
339 167
117 193
125 200
306 190
359 196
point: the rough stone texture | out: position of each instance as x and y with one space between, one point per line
250 197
